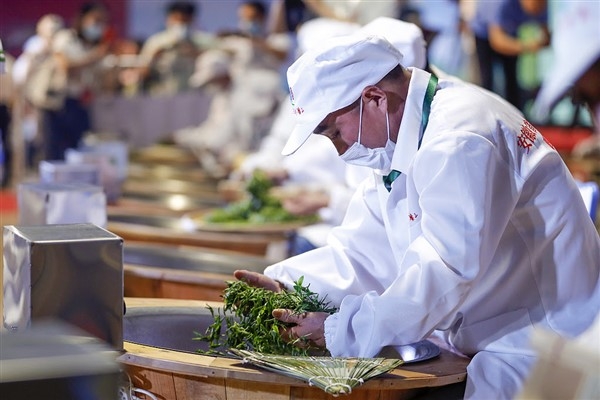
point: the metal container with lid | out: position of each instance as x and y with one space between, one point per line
42 203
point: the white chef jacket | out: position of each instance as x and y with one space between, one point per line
71 46
483 236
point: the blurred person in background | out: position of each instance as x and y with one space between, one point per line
269 49
495 26
78 53
288 15
242 74
314 179
444 32
37 48
253 47
268 157
241 106
170 55
33 75
575 72
359 11
125 77
212 75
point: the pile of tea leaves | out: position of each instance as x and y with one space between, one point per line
258 208
246 321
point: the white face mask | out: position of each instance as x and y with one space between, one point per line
179 31
93 33
378 158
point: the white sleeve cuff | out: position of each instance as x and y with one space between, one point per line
330 327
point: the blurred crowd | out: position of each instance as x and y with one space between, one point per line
63 68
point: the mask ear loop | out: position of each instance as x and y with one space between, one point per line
387 124
360 119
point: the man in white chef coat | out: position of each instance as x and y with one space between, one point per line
471 226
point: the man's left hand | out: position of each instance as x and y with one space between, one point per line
309 327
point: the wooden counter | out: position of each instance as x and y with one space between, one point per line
272 246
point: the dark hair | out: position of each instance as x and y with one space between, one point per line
596 64
85 9
184 7
258 6
396 73
92 6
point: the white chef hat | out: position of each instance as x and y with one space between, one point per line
332 76
576 46
313 32
405 36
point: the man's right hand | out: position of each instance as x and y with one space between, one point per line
258 280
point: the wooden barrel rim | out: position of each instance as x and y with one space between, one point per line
446 369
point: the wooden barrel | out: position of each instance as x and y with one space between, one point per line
178 272
173 374
168 230
169 204
172 186
165 154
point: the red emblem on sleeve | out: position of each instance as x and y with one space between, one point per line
527 136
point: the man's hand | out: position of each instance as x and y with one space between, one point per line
310 327
258 280
306 201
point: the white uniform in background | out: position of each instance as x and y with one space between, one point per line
317 162
238 110
170 55
317 165
482 236
363 11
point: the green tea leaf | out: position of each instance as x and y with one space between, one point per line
250 325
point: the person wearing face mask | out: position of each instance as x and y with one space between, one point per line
269 50
170 55
253 47
471 227
78 53
495 27
238 107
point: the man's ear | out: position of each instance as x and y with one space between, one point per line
375 94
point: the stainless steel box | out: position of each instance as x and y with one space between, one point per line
42 203
70 272
111 158
56 171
